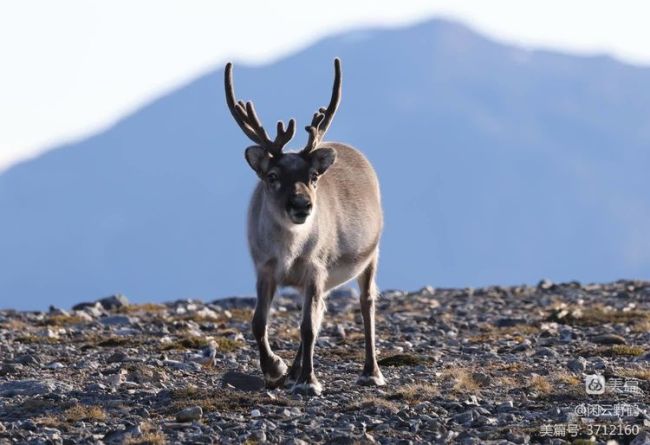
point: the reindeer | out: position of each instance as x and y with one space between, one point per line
314 223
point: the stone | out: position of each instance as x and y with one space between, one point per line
545 352
243 382
463 418
643 438
114 302
578 364
609 339
507 322
505 407
235 302
31 387
114 320
189 414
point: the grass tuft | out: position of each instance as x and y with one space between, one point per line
85 412
540 385
417 392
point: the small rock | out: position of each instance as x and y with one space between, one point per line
294 441
114 302
609 339
55 365
28 359
577 364
642 438
545 352
113 320
508 322
119 356
189 414
30 387
258 436
235 302
505 407
546 284
256 413
56 311
523 346
241 381
463 418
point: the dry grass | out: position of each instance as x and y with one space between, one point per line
241 315
641 374
416 392
463 381
13 324
641 326
598 315
37 339
85 412
48 421
505 382
224 344
567 378
150 308
621 351
149 436
492 333
540 385
509 367
63 320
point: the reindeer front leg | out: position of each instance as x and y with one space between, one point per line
273 367
312 315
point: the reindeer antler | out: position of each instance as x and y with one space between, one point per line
323 117
246 118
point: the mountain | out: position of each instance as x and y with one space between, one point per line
498 165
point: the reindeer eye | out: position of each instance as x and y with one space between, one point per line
272 177
313 177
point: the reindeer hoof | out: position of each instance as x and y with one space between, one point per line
275 376
371 380
307 389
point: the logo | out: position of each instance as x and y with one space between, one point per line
595 384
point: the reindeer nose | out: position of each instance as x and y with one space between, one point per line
300 202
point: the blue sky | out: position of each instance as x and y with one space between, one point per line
73 67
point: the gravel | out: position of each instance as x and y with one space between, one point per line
471 366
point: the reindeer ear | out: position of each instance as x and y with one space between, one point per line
322 159
258 158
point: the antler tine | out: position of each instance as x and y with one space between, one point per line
323 117
246 117
284 136
237 108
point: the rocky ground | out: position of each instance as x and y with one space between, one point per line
471 366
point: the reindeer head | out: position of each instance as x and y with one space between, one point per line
290 179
